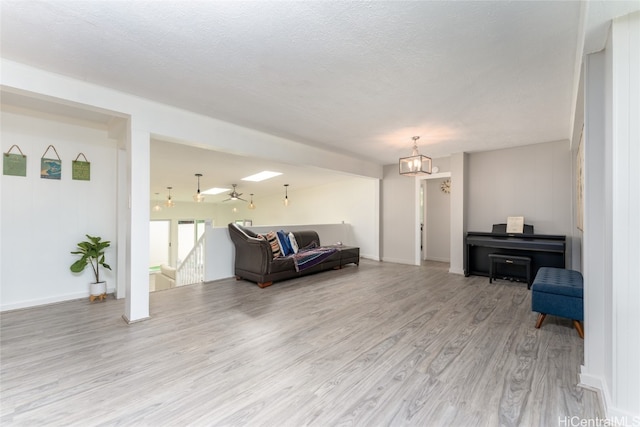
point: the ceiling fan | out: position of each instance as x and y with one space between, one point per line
234 195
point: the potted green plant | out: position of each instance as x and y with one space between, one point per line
91 252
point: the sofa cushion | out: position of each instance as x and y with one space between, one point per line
281 264
285 246
272 239
306 237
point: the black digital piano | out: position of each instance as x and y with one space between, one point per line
545 250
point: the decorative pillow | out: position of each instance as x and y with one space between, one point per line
272 238
293 242
285 246
283 249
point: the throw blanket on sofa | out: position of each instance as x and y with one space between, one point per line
310 257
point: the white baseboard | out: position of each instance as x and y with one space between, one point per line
594 383
616 415
43 301
131 322
49 300
437 259
398 261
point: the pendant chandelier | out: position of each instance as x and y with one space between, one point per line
286 195
251 205
169 203
198 197
157 207
416 164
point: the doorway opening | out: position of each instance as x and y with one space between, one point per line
435 227
189 232
159 243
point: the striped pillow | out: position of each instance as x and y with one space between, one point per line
272 238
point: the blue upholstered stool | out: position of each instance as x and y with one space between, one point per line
558 292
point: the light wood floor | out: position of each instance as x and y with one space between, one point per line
375 345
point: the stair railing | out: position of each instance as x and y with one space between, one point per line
191 270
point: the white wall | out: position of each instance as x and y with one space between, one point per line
534 181
219 254
400 234
43 220
184 210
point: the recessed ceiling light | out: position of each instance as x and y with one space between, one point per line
215 190
261 176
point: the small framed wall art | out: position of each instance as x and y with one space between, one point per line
13 163
50 168
80 170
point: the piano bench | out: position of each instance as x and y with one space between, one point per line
495 259
558 292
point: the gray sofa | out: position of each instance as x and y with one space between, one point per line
254 259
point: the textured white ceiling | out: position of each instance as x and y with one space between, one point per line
360 77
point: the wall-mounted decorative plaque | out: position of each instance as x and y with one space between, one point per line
50 168
81 170
14 164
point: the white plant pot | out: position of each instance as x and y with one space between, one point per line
99 288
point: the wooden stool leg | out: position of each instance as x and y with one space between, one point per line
540 320
578 327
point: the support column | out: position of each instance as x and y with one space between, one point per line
135 207
458 211
596 246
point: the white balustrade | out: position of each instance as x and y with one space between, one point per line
191 270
